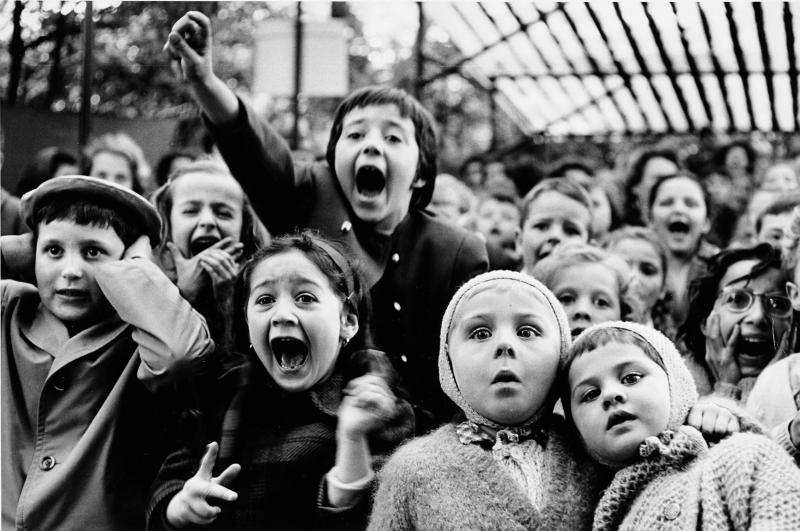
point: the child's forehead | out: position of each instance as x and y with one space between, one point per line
196 182
586 275
69 230
609 355
387 112
478 298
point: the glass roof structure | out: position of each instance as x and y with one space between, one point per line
589 68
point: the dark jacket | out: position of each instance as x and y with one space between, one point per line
423 262
285 443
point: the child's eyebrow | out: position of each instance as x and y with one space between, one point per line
295 278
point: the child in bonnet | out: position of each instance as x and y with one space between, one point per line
629 393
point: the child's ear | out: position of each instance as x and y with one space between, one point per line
349 323
794 295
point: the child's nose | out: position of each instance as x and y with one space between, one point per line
613 395
207 218
283 312
504 347
372 143
73 267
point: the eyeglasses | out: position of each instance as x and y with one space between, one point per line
741 299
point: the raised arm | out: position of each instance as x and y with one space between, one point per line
189 45
256 154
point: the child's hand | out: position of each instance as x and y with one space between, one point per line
217 263
221 266
191 505
721 354
712 420
189 46
368 403
139 249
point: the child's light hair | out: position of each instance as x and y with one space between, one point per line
125 147
562 185
570 254
162 198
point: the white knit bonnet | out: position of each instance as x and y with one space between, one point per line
446 377
682 390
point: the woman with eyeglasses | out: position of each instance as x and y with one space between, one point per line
740 320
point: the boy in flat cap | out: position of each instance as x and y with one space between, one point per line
82 356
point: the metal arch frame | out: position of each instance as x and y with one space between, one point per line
593 63
695 71
743 72
610 96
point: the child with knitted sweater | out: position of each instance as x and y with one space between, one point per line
511 463
629 393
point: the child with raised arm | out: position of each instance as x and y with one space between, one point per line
369 194
301 417
629 394
83 353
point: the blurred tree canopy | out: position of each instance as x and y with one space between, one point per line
132 76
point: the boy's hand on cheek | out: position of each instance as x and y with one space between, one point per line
139 249
368 403
721 354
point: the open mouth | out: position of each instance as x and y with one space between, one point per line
619 417
576 331
290 353
505 376
370 181
201 243
72 293
680 227
752 348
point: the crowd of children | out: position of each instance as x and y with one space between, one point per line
359 343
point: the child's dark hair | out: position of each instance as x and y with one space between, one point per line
344 279
408 107
595 339
95 213
634 178
651 198
162 199
704 290
562 185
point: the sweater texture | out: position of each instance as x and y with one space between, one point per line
436 482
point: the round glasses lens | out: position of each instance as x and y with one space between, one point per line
739 300
779 305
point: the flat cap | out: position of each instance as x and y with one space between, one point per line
83 188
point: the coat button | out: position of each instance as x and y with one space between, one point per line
672 510
60 382
346 226
397 306
395 258
48 462
403 357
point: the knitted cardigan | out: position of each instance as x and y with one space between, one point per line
744 482
436 482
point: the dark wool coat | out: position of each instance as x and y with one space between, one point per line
285 443
423 262
437 483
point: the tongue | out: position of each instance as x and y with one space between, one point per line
292 360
